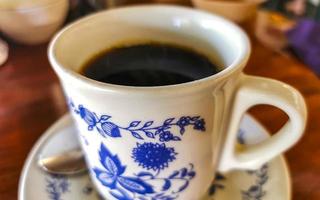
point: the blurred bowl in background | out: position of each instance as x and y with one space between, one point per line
4 52
107 4
32 21
238 11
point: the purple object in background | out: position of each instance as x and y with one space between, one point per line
304 39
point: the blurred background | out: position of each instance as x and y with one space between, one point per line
287 26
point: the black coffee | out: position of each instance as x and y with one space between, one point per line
148 65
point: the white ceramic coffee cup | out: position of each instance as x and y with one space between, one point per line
167 142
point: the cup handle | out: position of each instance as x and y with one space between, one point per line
252 91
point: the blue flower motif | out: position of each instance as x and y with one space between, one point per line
112 165
110 129
143 185
255 192
153 156
183 121
57 186
111 176
200 125
166 136
64 186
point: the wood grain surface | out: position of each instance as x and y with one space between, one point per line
31 100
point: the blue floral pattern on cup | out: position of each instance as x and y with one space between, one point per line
112 174
58 186
138 129
152 156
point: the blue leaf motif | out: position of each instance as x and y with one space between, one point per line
147 124
183 187
159 195
174 174
167 185
195 118
168 121
111 166
149 134
220 177
136 135
145 174
110 129
214 187
182 130
112 163
135 185
104 118
176 138
105 178
120 195
134 124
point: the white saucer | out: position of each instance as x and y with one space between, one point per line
271 182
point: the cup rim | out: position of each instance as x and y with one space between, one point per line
237 64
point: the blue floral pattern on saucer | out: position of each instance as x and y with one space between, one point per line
57 186
255 191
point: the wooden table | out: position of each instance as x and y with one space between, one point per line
31 100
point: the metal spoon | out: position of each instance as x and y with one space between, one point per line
67 163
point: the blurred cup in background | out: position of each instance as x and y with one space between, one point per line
32 21
237 11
